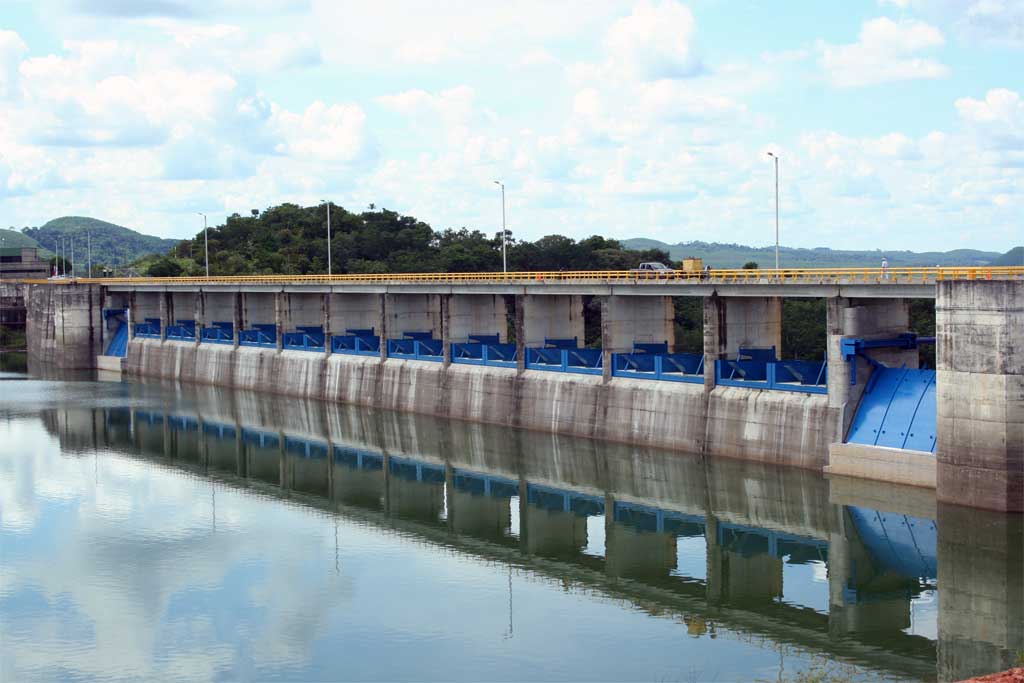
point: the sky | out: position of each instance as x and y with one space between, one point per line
899 124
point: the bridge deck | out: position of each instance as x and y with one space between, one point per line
846 282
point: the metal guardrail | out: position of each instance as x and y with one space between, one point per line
726 276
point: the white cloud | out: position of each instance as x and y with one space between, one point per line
12 49
885 52
655 41
323 132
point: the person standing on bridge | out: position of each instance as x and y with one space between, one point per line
885 268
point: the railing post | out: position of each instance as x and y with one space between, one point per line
657 366
565 360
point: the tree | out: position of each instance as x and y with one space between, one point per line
750 265
164 267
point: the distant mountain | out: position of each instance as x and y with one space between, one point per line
111 244
719 255
1014 257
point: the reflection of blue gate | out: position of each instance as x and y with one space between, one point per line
906 545
580 504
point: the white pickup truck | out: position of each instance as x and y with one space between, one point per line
652 268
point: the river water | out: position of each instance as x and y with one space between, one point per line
165 532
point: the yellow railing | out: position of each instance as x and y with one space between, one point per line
733 276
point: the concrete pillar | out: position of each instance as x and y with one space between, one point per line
446 332
237 316
714 337
629 319
279 315
325 316
520 332
132 313
555 316
980 393
382 325
166 313
981 601
199 313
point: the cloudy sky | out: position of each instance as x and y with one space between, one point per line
899 123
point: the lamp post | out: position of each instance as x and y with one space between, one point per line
328 203
776 158
206 239
504 257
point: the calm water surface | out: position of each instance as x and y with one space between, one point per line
161 532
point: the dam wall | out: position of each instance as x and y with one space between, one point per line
780 428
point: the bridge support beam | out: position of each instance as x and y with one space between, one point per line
980 393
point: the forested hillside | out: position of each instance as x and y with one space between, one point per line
735 255
13 238
292 239
112 244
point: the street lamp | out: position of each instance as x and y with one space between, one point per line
504 257
328 203
206 239
776 158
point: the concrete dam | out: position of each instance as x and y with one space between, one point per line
509 349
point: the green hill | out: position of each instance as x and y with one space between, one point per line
111 244
1014 257
13 238
719 255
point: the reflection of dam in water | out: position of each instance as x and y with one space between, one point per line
725 546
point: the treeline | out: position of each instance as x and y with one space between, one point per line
291 239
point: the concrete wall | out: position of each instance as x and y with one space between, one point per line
258 308
301 310
355 311
752 321
557 317
980 393
628 319
413 313
476 314
775 427
218 307
62 325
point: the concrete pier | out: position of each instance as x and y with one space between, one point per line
980 381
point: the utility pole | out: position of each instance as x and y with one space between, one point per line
504 229
328 202
88 246
776 158
72 239
206 238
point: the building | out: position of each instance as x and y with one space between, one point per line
22 262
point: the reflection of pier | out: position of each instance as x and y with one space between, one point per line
711 542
